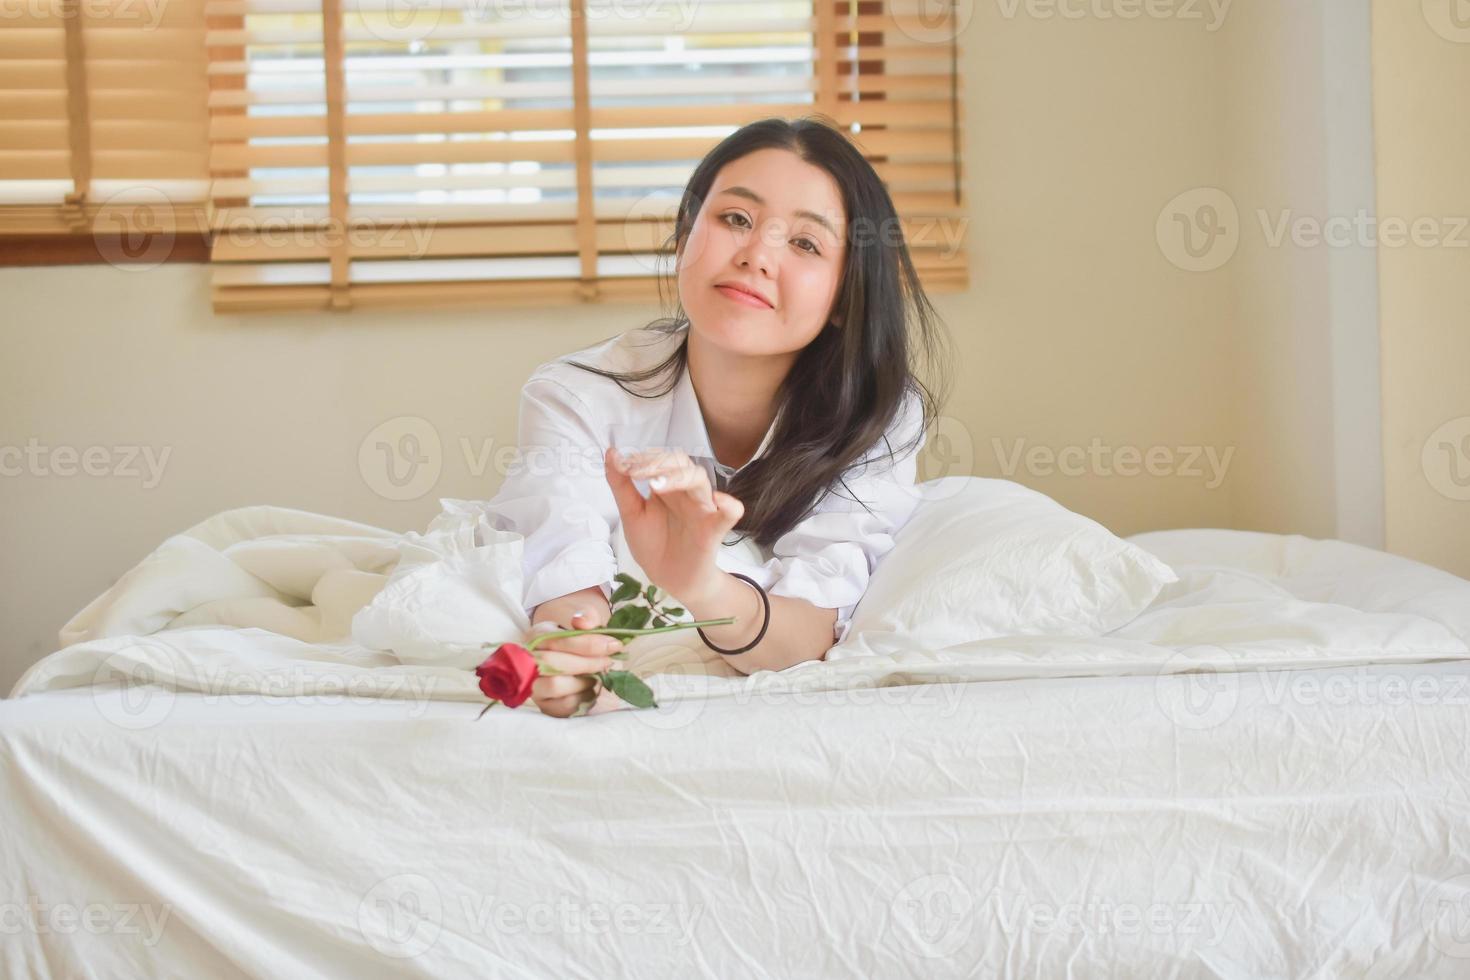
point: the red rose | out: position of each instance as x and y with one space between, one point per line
507 674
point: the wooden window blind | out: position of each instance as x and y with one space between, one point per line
103 118
418 152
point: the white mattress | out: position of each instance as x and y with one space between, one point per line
1298 810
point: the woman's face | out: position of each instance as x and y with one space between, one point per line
772 223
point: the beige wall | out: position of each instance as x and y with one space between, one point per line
1422 112
1078 332
1280 315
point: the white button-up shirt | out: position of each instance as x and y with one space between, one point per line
558 500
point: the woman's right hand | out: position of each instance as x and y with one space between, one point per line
576 657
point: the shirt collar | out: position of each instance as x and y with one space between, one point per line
687 428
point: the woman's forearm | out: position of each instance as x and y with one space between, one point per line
799 631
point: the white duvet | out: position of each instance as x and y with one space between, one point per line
1264 774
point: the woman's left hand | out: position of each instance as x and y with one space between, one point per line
676 533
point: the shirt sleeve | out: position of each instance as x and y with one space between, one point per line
829 556
556 496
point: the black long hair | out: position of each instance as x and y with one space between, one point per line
847 386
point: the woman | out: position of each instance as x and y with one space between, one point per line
786 410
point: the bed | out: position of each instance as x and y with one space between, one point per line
1262 775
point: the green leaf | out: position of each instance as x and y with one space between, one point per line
648 593
630 687
628 587
673 611
629 618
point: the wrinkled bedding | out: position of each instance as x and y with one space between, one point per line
1264 774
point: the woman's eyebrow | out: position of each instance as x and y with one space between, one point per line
746 192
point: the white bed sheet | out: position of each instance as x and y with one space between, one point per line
1120 819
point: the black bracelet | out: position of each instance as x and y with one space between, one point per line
765 601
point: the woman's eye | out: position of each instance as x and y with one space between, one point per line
734 214
808 241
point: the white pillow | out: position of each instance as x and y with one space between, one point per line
983 558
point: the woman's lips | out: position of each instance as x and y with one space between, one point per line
740 296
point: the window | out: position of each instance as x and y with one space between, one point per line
419 152
103 124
